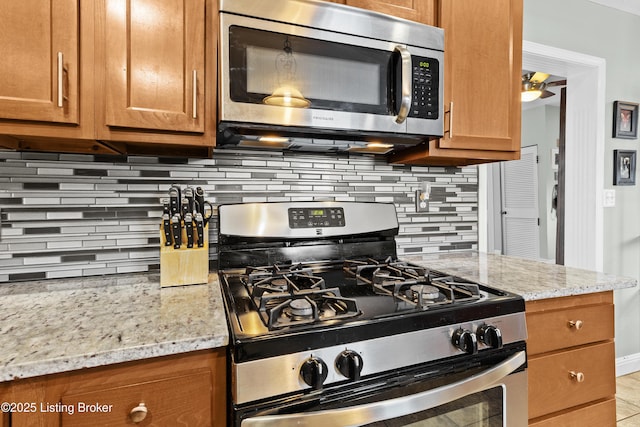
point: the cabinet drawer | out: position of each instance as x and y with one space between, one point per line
178 401
599 414
551 387
552 330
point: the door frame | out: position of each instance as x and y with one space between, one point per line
585 140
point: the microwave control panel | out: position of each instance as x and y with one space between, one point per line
424 101
316 217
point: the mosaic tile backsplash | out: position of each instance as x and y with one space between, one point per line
67 215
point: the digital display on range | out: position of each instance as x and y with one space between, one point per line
314 218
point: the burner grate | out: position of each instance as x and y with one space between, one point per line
411 285
290 295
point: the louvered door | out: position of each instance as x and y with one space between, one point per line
519 189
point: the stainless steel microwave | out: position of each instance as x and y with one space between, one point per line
309 74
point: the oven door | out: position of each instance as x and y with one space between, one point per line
479 396
286 75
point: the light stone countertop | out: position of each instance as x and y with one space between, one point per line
533 280
61 325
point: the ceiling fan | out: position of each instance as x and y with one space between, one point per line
534 86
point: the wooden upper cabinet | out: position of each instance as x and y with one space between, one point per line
39 71
154 53
483 63
414 10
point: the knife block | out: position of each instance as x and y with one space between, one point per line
184 266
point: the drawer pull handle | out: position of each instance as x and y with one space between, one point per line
577 376
577 324
138 413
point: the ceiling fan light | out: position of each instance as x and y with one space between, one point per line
530 95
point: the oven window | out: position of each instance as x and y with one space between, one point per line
332 76
484 409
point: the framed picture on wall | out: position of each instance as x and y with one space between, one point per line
625 120
624 167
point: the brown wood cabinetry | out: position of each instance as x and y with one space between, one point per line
110 76
483 62
571 359
40 67
414 10
150 66
47 75
187 389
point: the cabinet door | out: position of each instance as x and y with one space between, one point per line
414 10
155 55
483 62
184 400
39 68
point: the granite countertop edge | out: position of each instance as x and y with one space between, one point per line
119 318
533 280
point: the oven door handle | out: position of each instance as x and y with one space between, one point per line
398 407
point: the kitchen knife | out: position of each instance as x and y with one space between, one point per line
177 188
166 207
199 197
184 207
166 224
177 232
190 196
188 225
200 229
174 201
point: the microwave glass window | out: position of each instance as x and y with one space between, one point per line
332 76
316 77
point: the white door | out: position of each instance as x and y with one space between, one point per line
519 189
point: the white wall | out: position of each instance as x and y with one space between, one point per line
592 29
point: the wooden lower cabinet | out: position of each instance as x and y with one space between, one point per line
571 361
598 414
181 390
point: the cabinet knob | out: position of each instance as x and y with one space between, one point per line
577 376
138 413
576 324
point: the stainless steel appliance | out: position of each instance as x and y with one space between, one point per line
329 328
315 69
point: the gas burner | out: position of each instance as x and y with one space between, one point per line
305 307
426 292
412 286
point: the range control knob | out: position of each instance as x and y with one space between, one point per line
349 364
465 340
313 372
490 336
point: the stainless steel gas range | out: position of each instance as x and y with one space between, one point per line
329 328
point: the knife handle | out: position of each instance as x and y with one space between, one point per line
199 196
166 207
177 232
174 201
166 225
185 207
200 229
189 194
188 225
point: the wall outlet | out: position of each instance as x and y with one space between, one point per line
609 198
422 197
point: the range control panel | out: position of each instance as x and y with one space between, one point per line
316 217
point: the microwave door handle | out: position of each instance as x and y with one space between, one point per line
405 83
398 407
